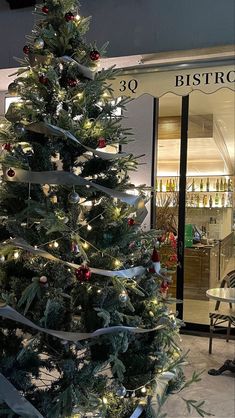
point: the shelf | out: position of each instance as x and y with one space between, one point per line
196 191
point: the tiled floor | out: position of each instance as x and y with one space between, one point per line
217 391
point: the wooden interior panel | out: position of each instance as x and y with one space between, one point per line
200 126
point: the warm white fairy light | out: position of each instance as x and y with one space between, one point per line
16 255
85 245
56 244
104 400
117 263
89 227
77 17
143 390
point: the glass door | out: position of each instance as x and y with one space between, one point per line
208 253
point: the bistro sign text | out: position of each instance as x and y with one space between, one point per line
196 79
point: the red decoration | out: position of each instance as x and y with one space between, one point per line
83 274
151 270
26 49
11 173
69 17
94 55
45 9
71 82
131 221
164 287
101 143
43 79
155 256
7 146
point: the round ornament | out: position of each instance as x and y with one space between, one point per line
69 17
71 82
121 391
155 256
43 280
7 146
39 43
26 50
45 9
10 172
101 143
73 198
13 89
43 79
123 297
94 55
83 274
131 221
19 129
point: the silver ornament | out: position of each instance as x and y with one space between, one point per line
123 297
121 391
13 89
19 129
73 198
38 43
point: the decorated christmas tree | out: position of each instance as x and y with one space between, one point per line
85 320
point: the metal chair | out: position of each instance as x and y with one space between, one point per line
218 317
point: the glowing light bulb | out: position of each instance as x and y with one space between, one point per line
85 245
87 124
143 390
77 17
105 400
35 247
89 227
56 244
79 95
117 263
16 255
105 95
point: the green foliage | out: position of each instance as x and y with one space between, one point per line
29 294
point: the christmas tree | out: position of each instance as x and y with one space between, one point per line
85 319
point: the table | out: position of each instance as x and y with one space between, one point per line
222 295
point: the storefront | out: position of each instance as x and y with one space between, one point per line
183 121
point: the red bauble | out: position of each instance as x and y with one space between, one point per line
101 143
11 173
71 82
45 9
83 274
151 270
164 287
94 55
131 221
7 146
43 79
155 256
26 49
69 16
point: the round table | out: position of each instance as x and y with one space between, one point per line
226 294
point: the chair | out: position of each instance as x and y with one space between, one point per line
218 317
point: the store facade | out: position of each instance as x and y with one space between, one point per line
183 121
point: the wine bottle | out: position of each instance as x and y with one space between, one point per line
222 200
229 185
192 201
198 200
170 186
156 185
205 200
216 199
161 185
167 186
193 186
210 202
217 185
225 185
173 186
207 185
221 185
201 185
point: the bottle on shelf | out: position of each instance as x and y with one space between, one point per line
222 200
173 186
221 185
210 202
201 185
156 185
160 187
193 185
205 200
217 185
225 185
167 186
170 186
207 184
216 199
197 200
192 201
230 187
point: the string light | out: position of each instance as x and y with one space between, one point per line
16 255
56 244
77 17
85 245
117 263
143 390
89 227
104 400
